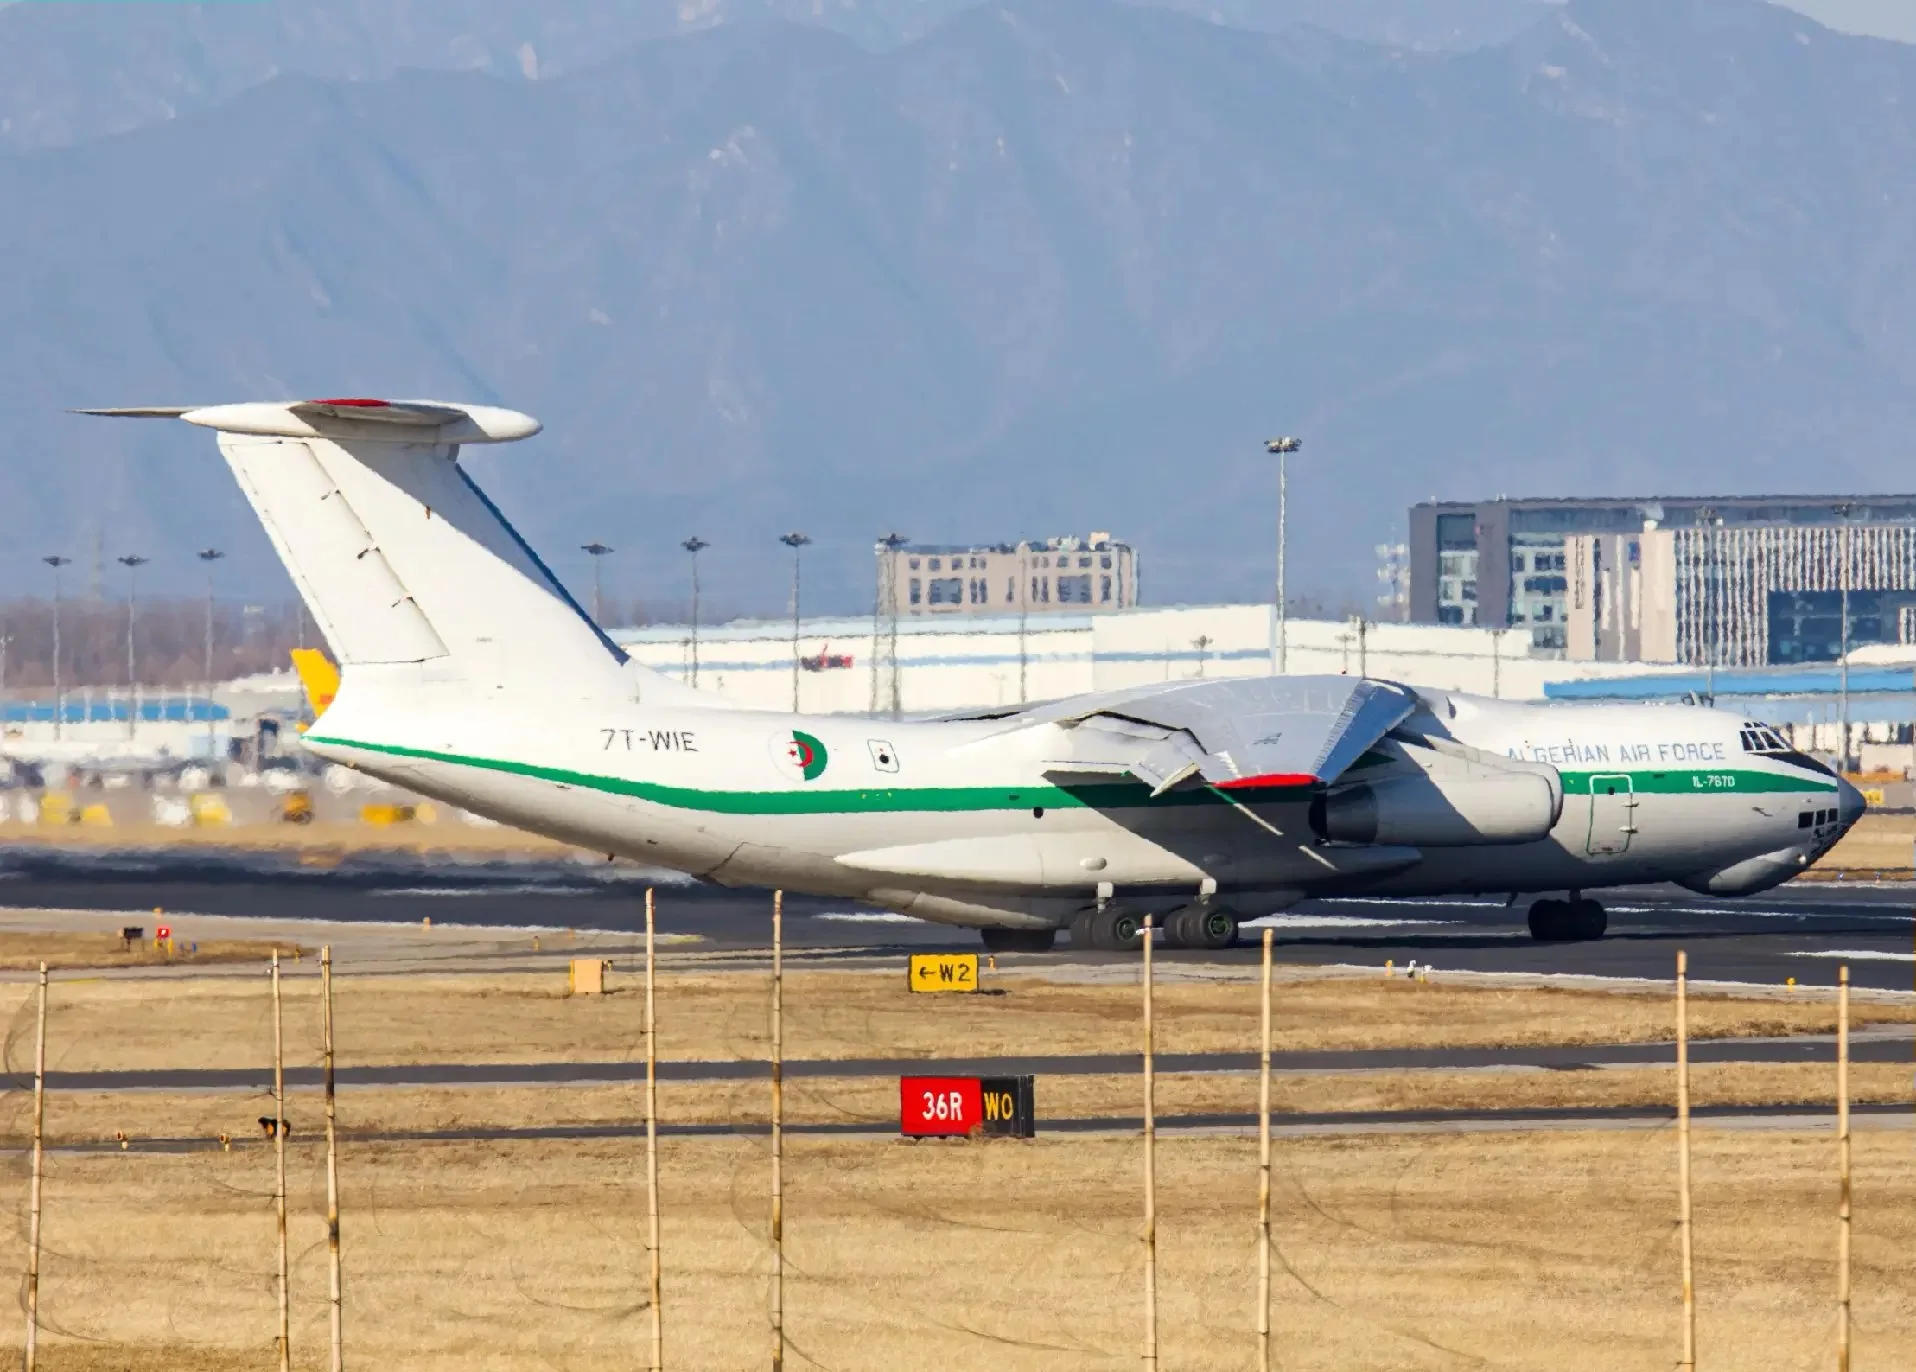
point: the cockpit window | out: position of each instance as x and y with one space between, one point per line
1759 738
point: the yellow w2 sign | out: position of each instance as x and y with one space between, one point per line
933 972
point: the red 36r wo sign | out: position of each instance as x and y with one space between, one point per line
933 1106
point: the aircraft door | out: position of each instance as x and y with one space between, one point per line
1613 814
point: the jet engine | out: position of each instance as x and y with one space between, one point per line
1441 802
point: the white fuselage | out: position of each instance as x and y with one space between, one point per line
964 821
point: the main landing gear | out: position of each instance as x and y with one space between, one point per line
1115 929
1567 921
1019 940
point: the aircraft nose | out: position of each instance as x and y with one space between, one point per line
1850 804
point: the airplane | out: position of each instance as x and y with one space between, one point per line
470 674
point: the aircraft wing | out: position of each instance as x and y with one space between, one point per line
1247 733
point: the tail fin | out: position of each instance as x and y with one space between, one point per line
398 553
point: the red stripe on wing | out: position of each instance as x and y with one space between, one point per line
356 403
1269 779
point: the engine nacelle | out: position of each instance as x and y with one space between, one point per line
1457 811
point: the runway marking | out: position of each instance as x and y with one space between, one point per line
521 889
1336 922
1437 901
1856 955
868 917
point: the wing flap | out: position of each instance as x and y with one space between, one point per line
1240 735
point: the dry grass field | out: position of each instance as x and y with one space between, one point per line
226 1021
24 952
1395 1252
1877 843
322 840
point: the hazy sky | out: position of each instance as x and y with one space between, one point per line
1884 18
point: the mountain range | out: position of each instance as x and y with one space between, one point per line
1028 267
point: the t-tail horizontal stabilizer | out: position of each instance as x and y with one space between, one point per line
398 553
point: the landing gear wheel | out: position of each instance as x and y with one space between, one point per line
1219 928
1019 940
1201 927
1567 921
1550 921
1112 929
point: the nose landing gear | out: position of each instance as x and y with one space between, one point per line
1567 921
1019 940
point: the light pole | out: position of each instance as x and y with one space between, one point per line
132 562
885 614
694 545
796 542
56 562
1281 448
1842 509
207 557
1707 518
1024 619
598 550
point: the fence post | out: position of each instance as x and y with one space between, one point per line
1264 1175
1683 1159
279 1183
652 1138
1150 1167
332 1162
1843 1171
39 1160
778 1131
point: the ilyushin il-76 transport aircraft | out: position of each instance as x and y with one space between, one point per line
471 675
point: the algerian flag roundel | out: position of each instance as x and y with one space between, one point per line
799 755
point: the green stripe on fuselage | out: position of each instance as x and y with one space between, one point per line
1099 795
1703 781
1104 795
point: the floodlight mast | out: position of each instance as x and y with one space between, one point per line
1843 509
132 562
56 562
796 542
1712 524
695 545
597 551
885 609
1281 448
207 557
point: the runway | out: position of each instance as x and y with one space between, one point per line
1802 930
1889 1043
1785 1116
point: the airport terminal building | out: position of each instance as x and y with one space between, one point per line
1745 581
1063 575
